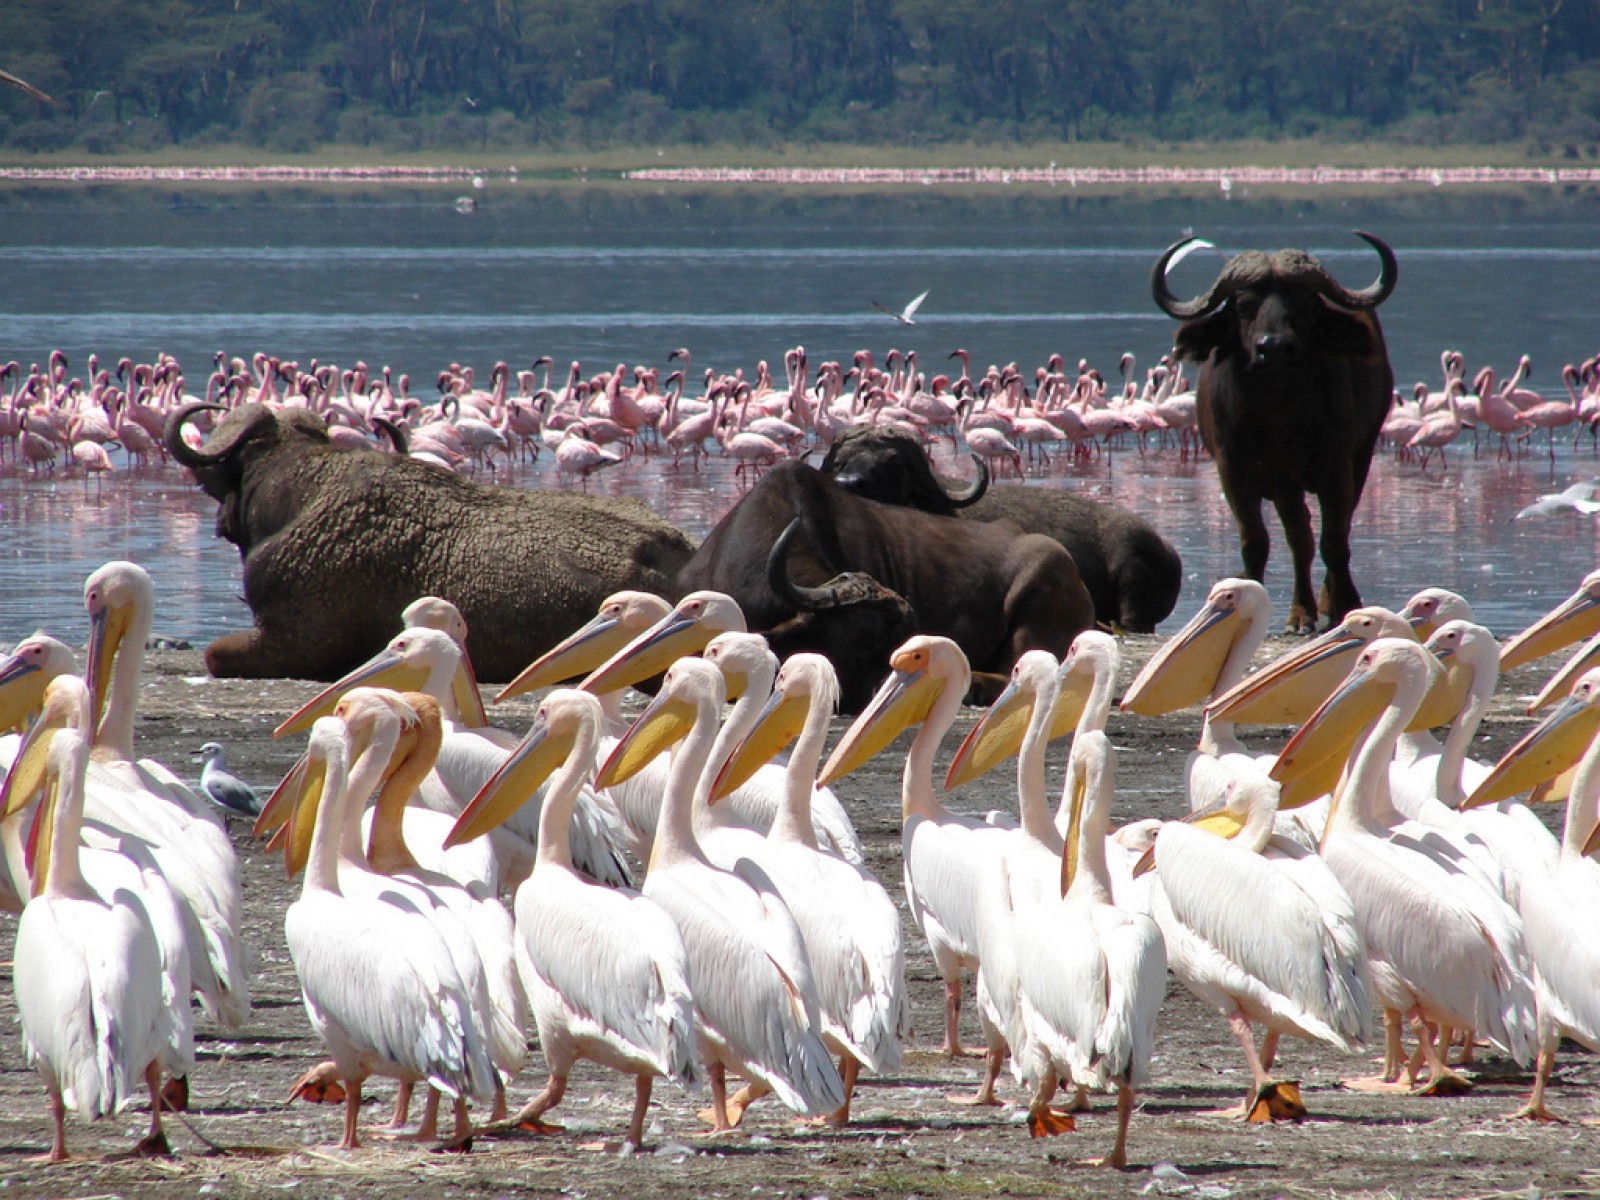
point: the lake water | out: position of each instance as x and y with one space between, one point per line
397 277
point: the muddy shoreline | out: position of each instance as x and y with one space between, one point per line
907 1137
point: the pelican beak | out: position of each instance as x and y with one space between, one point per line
1546 751
651 653
383 669
664 723
1333 728
1182 673
1217 819
576 655
1288 690
107 628
533 761
1070 703
296 833
41 830
22 686
27 777
464 691
1069 846
1449 683
1561 683
903 699
1578 617
279 806
780 722
993 739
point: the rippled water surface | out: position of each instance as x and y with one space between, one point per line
399 278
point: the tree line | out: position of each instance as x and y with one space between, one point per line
400 75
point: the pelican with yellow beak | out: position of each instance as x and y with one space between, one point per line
1558 908
1091 976
1444 949
606 970
86 970
850 925
1257 927
380 984
945 855
755 995
186 837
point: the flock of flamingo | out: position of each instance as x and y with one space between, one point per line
55 421
1365 867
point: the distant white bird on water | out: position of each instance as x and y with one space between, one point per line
223 788
905 315
1578 496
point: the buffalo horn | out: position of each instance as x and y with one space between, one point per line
396 435
971 494
798 596
1181 310
1378 292
215 450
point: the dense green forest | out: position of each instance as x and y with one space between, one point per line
136 76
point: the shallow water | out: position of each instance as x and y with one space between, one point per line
397 277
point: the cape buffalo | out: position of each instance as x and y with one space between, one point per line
1293 388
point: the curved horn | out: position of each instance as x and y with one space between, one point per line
1180 310
797 596
397 436
972 494
172 434
1375 294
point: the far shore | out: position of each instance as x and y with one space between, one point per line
1257 165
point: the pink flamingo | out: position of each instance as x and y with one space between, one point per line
577 455
1439 429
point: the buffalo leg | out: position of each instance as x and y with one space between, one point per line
1296 518
1253 540
1338 510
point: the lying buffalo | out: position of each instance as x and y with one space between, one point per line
995 591
337 542
1132 573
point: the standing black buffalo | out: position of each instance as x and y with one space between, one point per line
1294 385
991 588
1132 573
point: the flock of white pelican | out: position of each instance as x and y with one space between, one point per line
1366 868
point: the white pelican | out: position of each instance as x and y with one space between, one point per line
1027 870
394 738
379 983
111 861
754 993
1558 908
188 840
944 854
605 968
429 660
850 925
1431 608
1444 949
1258 927
86 971
1091 976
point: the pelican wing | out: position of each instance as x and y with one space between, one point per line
1280 931
614 963
382 990
755 1000
1136 977
1559 914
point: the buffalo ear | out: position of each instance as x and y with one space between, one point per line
1346 334
1196 340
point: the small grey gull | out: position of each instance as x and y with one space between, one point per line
1579 497
227 791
